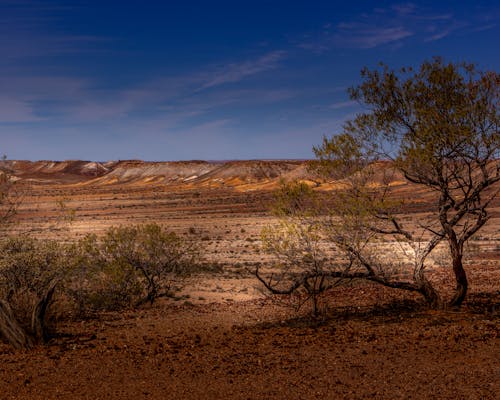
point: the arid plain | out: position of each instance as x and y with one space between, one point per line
224 336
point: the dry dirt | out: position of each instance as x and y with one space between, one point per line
222 337
263 349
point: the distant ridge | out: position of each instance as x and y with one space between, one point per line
245 175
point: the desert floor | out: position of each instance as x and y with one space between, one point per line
224 337
370 344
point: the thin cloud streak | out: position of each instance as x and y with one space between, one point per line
235 72
366 36
343 104
25 32
169 84
83 100
383 26
16 111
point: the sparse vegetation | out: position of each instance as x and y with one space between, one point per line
222 330
158 256
9 197
302 264
127 267
98 282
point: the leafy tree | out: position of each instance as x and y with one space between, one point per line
320 243
439 126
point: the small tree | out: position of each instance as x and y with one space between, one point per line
321 243
440 128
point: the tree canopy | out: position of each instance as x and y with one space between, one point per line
439 125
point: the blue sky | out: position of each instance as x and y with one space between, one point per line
169 80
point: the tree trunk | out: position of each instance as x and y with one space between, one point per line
10 329
431 296
38 326
460 275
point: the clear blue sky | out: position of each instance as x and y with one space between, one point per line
172 80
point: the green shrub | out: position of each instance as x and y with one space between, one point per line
129 266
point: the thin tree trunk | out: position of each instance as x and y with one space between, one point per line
456 251
38 325
460 276
10 329
431 296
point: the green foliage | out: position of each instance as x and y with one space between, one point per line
158 256
440 120
96 284
293 197
294 244
301 266
437 127
342 156
129 266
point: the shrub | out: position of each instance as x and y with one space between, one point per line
129 266
30 271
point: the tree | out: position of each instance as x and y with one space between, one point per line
439 126
320 243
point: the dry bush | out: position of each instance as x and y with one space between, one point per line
30 272
96 283
301 267
129 266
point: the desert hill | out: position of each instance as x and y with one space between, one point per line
245 175
69 171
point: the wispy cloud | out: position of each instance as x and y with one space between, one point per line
16 111
26 31
342 104
235 72
367 35
486 27
29 98
404 8
391 25
178 97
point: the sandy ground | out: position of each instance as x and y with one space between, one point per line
222 337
